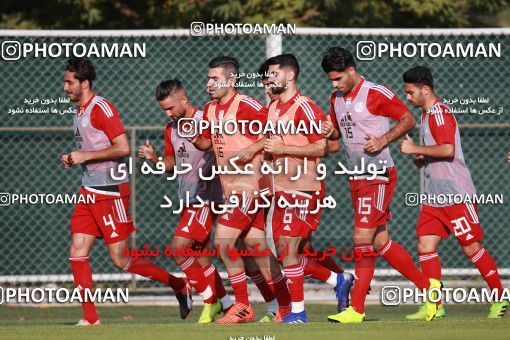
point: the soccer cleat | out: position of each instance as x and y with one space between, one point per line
225 310
238 313
269 317
349 315
226 304
498 310
440 314
185 300
281 313
209 311
342 288
83 322
431 306
421 314
292 318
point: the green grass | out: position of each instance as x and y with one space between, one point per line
130 322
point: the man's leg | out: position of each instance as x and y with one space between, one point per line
226 238
269 269
79 261
402 261
241 311
327 262
293 272
143 266
487 267
429 260
212 275
193 270
116 225
364 266
399 258
430 267
257 275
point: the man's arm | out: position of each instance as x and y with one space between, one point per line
249 152
252 110
168 160
147 151
118 149
333 145
407 146
436 151
200 142
329 131
405 124
275 146
442 126
330 128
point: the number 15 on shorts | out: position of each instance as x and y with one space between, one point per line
364 205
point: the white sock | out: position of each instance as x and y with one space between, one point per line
226 301
272 306
298 307
332 279
207 293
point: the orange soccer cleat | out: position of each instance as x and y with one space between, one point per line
281 313
238 313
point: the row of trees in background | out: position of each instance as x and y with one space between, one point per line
153 14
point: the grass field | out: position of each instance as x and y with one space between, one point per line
462 322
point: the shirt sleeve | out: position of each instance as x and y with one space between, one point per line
442 125
169 149
308 112
332 114
382 101
104 117
251 109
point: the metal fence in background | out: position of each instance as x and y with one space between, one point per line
35 238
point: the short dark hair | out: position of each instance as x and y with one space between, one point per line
82 68
228 63
168 88
264 68
419 75
337 59
285 60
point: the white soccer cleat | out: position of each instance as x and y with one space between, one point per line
83 322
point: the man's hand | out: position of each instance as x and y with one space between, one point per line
193 139
146 151
77 157
64 159
407 145
374 143
419 161
245 155
327 129
274 145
